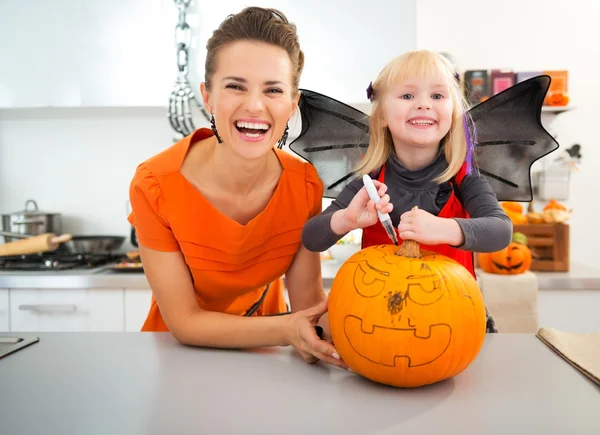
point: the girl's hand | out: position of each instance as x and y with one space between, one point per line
362 211
425 228
302 335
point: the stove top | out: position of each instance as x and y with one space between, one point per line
50 261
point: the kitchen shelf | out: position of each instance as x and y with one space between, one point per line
557 109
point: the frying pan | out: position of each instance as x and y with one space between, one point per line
84 244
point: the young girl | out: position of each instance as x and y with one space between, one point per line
417 156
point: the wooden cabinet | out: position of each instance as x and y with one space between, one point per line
66 310
4 310
73 53
137 304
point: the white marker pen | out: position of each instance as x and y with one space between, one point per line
384 218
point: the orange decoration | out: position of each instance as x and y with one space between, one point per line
512 260
554 205
406 318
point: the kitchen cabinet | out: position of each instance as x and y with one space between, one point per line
4 309
137 304
72 53
569 310
74 310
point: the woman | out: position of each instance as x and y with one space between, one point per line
219 215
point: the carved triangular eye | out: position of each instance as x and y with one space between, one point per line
425 267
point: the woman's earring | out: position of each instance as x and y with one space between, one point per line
284 137
213 127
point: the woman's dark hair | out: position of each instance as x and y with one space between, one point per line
256 24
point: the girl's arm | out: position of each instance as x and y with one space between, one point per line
488 229
352 209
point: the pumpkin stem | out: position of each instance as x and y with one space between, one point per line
409 248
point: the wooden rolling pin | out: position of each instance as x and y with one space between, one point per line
33 245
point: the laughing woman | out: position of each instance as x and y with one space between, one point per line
219 215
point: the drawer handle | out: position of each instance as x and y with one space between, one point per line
49 308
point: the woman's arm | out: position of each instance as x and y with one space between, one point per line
305 289
303 280
172 286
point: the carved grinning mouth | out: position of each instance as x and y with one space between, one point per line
502 267
430 347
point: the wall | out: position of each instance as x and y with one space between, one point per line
79 161
533 35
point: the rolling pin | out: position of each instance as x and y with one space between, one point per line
33 245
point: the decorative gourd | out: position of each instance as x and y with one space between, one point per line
517 207
554 205
555 213
514 210
406 318
512 260
532 216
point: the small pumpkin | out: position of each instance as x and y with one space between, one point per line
558 99
532 216
514 211
406 318
554 205
517 207
512 260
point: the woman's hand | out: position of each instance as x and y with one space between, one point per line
362 211
302 335
425 228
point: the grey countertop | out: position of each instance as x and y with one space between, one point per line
579 277
143 383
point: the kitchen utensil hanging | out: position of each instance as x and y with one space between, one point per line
182 96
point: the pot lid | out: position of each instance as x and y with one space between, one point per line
31 209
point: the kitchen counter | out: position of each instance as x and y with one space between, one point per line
143 383
578 278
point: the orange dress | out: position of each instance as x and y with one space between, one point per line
231 264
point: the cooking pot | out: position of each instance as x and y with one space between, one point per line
31 221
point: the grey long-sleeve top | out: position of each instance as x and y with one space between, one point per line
487 229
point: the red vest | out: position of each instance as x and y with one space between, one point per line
376 235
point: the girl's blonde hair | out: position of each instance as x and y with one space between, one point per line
415 64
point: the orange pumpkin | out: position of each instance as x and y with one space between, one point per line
512 260
517 207
554 205
514 211
406 318
558 99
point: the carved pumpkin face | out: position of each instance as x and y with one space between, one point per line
512 260
405 321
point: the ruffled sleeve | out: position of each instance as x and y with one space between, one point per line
314 191
147 216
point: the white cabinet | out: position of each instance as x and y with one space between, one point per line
66 310
137 304
71 53
4 309
569 310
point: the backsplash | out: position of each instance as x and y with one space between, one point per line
78 162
